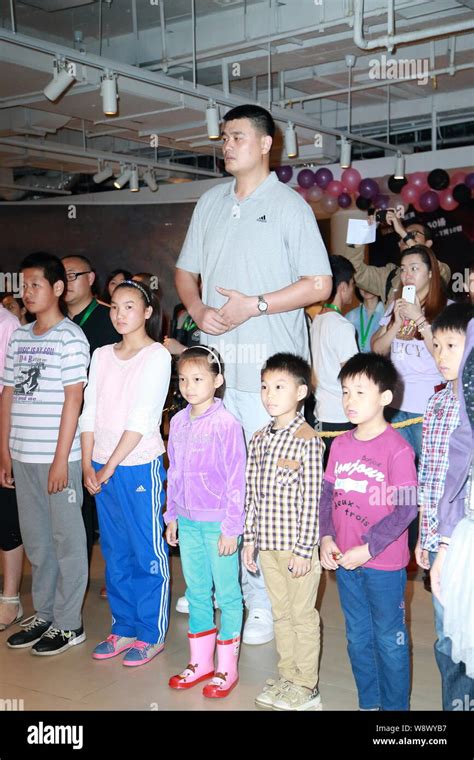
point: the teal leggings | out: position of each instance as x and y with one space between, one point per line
203 568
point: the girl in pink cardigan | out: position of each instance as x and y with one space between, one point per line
206 489
122 457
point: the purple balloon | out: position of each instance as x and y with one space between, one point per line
284 173
468 180
344 200
382 202
305 178
323 177
368 188
429 201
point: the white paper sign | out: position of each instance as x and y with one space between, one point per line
359 232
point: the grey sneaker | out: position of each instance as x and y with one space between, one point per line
271 692
298 698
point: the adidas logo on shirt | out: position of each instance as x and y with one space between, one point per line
140 489
262 218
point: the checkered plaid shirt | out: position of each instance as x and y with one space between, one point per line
284 479
440 420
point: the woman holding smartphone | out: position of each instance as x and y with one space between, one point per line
405 335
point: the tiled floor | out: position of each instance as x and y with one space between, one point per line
73 681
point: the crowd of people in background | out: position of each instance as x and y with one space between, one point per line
258 500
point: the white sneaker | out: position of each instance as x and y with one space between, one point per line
182 605
298 698
258 628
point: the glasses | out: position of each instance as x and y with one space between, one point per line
72 276
413 235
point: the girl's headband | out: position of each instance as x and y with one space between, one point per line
209 350
135 284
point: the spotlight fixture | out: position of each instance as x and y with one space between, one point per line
345 153
64 76
212 120
103 174
134 180
123 178
399 166
291 144
108 90
150 180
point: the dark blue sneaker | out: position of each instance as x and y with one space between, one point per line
33 629
55 641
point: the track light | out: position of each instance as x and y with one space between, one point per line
108 90
134 180
64 76
123 178
291 145
399 166
150 180
345 153
212 120
103 174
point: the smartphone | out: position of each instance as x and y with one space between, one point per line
409 293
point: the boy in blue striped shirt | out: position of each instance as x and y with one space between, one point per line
44 376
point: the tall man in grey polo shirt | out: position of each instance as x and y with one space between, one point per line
256 246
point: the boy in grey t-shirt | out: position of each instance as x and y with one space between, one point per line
44 376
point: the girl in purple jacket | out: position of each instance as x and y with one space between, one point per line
206 490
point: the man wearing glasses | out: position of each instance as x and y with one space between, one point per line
385 281
83 308
94 319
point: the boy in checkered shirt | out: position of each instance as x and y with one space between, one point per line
284 477
440 420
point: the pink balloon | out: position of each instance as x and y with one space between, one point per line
314 194
457 179
302 191
329 204
410 193
446 200
419 180
335 188
351 179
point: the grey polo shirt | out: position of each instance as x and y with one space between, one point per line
257 245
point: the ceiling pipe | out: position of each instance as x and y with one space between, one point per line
49 191
374 85
391 40
263 41
12 16
179 86
164 42
120 158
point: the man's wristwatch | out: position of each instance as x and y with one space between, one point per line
262 305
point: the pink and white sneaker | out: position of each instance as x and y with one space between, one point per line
140 653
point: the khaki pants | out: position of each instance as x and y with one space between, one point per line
294 615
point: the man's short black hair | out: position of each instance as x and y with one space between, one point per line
261 119
294 365
377 368
455 317
427 232
342 271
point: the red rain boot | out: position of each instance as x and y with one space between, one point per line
201 660
227 674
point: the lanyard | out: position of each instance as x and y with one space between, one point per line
93 305
364 334
332 306
189 324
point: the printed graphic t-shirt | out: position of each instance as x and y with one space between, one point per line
39 367
366 475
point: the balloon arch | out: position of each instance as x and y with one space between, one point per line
426 191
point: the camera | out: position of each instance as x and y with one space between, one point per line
381 215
